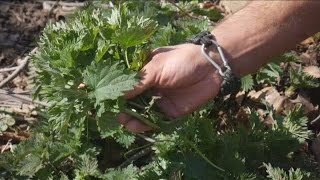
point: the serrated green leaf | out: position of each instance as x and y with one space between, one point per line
163 36
270 73
30 165
297 124
102 48
108 124
129 172
109 82
137 31
212 14
88 167
124 138
247 83
276 173
300 79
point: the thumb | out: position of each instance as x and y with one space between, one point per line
148 73
146 81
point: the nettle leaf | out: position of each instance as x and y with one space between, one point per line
247 83
277 173
108 124
163 36
124 138
270 73
108 82
116 16
129 172
102 48
300 79
88 166
137 31
212 14
297 124
30 165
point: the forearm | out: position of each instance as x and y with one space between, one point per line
265 29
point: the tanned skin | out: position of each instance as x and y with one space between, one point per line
185 80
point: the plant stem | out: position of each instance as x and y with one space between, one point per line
203 156
146 138
135 157
136 105
126 57
141 118
136 149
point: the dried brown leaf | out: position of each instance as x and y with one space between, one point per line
258 95
243 116
240 96
268 121
309 58
276 100
312 71
315 148
307 41
305 102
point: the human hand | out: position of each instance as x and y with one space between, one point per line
181 76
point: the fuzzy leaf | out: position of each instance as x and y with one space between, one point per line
102 48
108 82
129 172
137 31
88 166
108 124
276 173
30 165
247 83
124 138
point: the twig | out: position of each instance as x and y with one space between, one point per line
24 62
8 69
315 121
72 4
14 92
181 10
135 157
146 138
25 98
10 105
14 137
18 111
6 147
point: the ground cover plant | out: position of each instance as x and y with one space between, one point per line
85 64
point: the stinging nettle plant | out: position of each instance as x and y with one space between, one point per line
84 67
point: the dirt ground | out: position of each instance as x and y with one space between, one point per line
20 25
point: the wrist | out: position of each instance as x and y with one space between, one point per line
230 50
214 54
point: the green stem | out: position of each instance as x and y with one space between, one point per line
203 156
87 131
136 105
126 57
141 118
146 138
136 149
